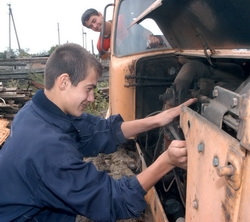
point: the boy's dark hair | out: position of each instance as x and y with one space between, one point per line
72 59
87 14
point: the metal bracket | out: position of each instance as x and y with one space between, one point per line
224 101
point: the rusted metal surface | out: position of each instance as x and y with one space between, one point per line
152 197
244 128
215 173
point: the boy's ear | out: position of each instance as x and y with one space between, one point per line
63 81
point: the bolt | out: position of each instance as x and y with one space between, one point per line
216 161
204 107
215 93
200 147
235 102
195 204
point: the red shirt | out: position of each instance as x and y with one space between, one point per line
105 46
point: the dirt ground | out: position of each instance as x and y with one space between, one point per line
121 163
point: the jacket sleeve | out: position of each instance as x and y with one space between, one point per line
99 135
77 187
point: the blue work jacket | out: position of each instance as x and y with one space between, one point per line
42 173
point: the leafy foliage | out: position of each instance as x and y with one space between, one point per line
52 49
100 105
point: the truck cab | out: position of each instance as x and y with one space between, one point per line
164 52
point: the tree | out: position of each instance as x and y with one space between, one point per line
52 49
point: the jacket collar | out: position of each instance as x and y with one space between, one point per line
40 100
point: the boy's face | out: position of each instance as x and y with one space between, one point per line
78 97
95 22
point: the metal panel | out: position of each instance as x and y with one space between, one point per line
152 197
215 168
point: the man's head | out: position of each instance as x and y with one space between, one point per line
71 75
72 59
92 19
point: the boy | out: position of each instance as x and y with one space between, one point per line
43 175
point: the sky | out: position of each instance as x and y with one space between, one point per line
41 24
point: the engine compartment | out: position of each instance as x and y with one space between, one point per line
165 81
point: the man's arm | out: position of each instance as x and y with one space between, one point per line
132 128
175 155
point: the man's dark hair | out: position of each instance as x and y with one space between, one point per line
72 59
87 14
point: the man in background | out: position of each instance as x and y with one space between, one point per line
93 20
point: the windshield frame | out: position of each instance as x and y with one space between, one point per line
130 37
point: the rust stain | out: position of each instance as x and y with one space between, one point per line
226 213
